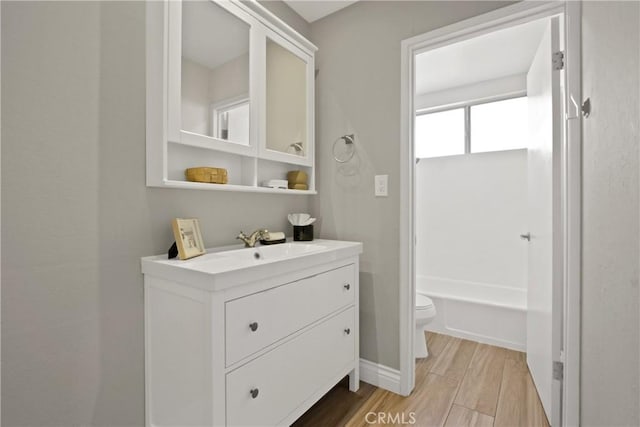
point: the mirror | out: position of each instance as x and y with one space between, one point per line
286 101
215 72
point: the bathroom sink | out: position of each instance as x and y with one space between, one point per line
227 267
273 252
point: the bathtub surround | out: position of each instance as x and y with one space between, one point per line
73 104
470 211
487 314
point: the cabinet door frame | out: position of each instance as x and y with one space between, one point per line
174 84
263 151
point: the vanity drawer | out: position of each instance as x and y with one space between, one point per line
256 321
266 390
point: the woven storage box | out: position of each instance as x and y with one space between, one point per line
204 174
297 178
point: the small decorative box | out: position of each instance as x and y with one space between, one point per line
206 174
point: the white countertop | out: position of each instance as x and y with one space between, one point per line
225 267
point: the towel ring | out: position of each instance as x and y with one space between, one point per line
344 154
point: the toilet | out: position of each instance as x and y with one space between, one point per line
425 312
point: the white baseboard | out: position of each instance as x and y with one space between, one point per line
380 376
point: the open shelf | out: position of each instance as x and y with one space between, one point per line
232 187
245 173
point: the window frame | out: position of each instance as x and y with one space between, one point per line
218 108
466 106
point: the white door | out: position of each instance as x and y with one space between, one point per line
544 296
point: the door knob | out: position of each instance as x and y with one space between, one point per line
526 237
253 326
347 331
347 286
254 392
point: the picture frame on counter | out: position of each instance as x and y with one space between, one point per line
188 237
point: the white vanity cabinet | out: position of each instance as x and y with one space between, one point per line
229 85
240 341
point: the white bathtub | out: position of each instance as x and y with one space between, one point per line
489 314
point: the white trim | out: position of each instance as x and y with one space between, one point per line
276 24
223 106
477 93
504 17
207 142
0 232
573 216
169 183
407 216
263 151
380 376
472 103
571 182
156 97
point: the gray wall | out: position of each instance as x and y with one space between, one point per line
358 91
288 15
77 215
611 72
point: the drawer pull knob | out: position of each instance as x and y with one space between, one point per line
347 286
254 393
347 331
253 326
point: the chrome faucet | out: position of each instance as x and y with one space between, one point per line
251 240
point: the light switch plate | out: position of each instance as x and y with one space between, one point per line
381 183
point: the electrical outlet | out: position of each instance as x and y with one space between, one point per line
381 185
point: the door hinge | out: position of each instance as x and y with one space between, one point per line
558 60
558 370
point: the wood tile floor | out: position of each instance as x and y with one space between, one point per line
461 383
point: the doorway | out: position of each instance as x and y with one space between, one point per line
552 316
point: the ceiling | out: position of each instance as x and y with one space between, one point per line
212 45
498 54
312 10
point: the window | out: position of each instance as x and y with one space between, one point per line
440 134
501 125
474 128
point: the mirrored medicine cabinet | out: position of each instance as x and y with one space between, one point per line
229 85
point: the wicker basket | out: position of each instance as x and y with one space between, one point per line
299 187
297 178
205 174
